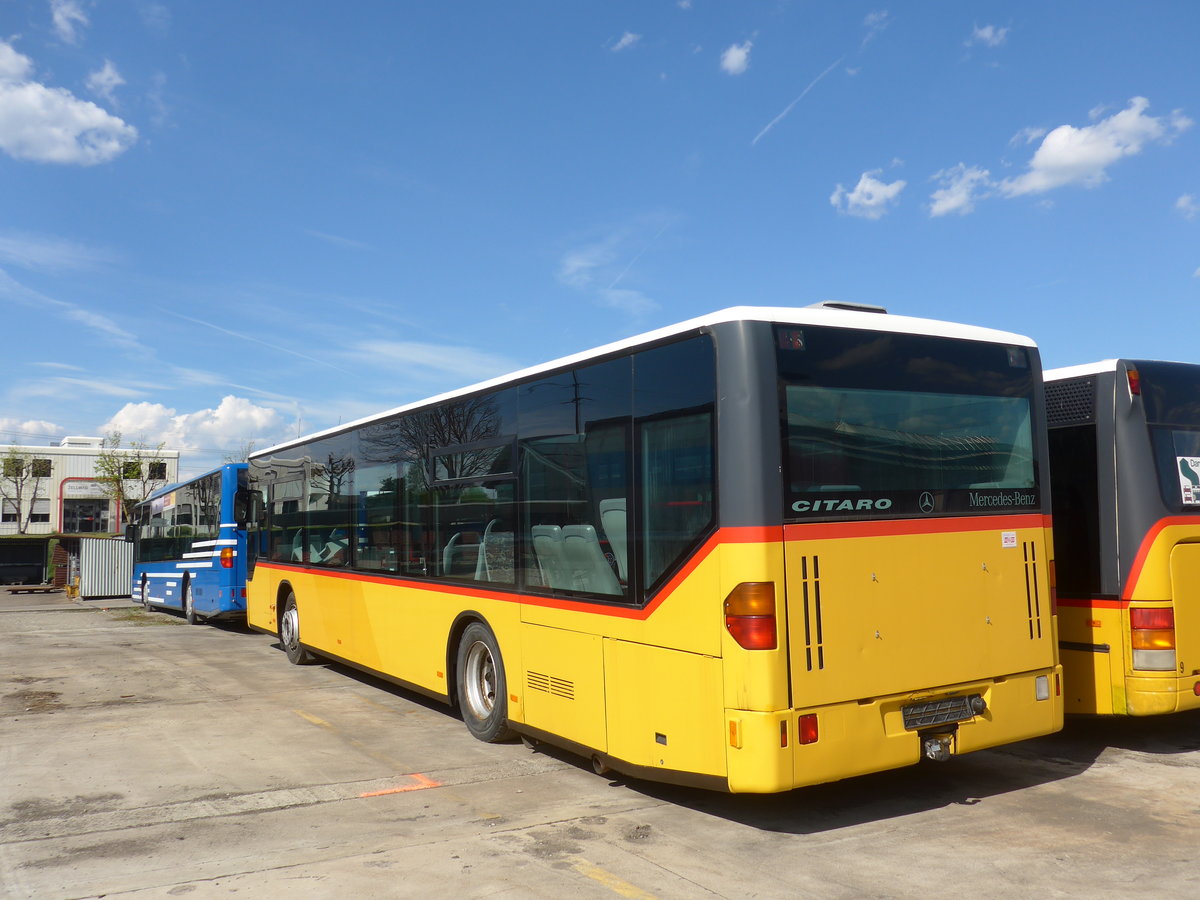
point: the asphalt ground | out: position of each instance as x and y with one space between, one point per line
142 757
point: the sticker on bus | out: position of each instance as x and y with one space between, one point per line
1189 478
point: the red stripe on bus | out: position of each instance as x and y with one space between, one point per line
895 527
1092 603
739 535
1139 560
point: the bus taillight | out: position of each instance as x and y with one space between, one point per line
1152 636
226 557
1135 381
750 615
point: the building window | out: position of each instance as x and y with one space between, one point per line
42 468
14 467
158 471
41 510
8 513
131 469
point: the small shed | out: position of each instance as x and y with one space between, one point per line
105 567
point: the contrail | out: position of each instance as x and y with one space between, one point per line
639 256
788 109
246 337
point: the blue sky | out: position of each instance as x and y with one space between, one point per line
222 221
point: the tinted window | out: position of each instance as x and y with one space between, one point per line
674 390
574 452
1076 500
885 425
329 523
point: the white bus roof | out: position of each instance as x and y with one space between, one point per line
1095 368
786 315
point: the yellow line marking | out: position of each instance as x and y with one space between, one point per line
422 783
308 717
609 880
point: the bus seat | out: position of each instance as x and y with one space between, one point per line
551 558
459 558
495 555
612 518
589 569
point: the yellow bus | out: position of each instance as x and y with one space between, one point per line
1125 476
760 549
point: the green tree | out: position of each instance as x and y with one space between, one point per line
129 475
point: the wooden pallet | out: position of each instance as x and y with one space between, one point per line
33 589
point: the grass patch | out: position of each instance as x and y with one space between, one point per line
135 615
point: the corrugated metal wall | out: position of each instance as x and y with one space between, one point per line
105 567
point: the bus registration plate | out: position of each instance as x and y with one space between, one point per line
938 712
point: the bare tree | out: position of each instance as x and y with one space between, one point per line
21 480
129 476
242 453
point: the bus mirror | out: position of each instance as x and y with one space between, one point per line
130 533
247 507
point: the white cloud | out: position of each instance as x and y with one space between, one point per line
101 326
961 186
599 268
870 197
425 360
14 66
104 81
875 23
48 253
1081 156
29 431
235 422
627 40
68 18
1027 136
736 58
1187 206
44 124
988 35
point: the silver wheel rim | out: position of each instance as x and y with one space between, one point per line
145 593
480 678
290 627
187 601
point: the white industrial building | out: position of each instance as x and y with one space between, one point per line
61 493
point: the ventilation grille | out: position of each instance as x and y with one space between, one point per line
1071 401
810 592
1033 600
548 684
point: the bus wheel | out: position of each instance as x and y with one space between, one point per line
146 594
482 690
189 605
289 633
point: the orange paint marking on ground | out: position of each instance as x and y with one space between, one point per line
422 782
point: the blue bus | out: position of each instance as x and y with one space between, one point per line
189 542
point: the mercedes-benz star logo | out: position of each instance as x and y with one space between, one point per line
926 502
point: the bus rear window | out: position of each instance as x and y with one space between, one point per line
945 429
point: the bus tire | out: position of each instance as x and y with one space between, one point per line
189 605
289 633
145 597
481 685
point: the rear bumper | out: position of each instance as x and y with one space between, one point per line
1154 695
858 737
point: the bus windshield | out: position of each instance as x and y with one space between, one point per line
895 425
